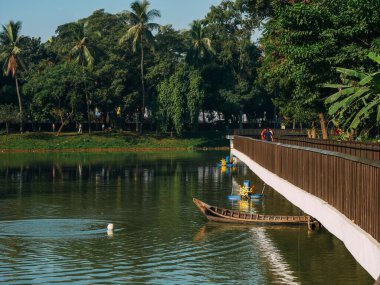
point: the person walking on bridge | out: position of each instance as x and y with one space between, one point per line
268 135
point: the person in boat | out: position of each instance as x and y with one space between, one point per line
245 191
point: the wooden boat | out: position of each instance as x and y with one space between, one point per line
216 214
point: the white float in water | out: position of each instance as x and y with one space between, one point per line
110 227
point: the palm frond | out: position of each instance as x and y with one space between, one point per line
153 26
153 14
351 72
9 29
348 101
335 86
132 18
366 80
88 56
374 57
334 97
74 50
364 112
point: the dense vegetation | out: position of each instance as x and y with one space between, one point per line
118 141
124 68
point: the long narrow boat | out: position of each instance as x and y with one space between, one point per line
217 214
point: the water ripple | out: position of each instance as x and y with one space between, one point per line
52 228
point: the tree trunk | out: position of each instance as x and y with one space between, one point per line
88 115
6 127
311 133
64 122
60 129
137 121
19 102
294 124
142 82
323 126
87 100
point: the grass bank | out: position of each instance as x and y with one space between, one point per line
114 141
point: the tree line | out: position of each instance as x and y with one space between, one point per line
125 67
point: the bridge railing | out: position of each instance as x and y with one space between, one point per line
298 137
364 150
277 132
348 183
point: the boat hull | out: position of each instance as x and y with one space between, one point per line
222 215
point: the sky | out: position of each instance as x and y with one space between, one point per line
40 18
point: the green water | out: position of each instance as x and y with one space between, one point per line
54 210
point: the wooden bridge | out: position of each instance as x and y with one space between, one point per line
348 183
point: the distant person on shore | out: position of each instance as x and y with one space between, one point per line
79 128
268 135
53 127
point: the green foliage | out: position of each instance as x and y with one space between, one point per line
8 114
230 81
302 44
357 103
57 91
111 79
304 41
119 141
180 98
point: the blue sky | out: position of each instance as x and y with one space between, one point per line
40 18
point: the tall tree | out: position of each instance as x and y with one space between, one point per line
81 53
180 98
10 40
200 46
237 59
57 93
140 33
200 49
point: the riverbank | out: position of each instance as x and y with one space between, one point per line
110 141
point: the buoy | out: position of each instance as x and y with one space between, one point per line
110 227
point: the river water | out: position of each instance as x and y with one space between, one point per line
54 210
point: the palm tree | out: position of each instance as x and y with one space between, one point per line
200 49
140 33
10 53
201 46
81 54
358 97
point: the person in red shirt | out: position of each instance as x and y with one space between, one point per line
263 134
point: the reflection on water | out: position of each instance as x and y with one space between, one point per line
55 210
